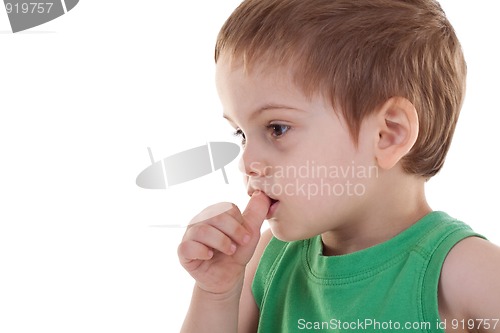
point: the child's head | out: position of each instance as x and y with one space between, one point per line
359 54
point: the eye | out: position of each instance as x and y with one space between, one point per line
278 130
239 133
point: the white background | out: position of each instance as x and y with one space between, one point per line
81 99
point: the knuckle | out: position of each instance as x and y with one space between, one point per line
218 219
234 209
209 213
182 249
200 230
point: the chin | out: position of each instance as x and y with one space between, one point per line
282 231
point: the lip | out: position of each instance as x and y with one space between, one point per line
272 208
274 203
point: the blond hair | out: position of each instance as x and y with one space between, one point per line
360 53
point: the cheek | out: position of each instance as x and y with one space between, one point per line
328 182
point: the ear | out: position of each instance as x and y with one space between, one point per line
397 126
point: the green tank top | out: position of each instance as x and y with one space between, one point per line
392 286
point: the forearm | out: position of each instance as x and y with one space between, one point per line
212 313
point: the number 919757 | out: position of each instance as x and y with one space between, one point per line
29 7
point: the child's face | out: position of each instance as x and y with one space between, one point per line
297 150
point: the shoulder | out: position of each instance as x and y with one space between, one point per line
469 284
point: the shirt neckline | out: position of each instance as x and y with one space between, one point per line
367 262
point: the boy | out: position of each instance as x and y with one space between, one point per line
345 109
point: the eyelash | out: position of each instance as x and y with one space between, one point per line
239 133
273 127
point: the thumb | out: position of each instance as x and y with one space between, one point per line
256 210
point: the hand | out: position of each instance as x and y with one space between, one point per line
216 250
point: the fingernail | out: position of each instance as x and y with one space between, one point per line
233 248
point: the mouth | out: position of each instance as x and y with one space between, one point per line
272 208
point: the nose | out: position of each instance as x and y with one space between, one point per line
252 163
255 167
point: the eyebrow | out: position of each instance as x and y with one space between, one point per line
266 107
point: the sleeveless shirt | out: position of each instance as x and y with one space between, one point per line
392 286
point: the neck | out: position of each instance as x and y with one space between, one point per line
389 212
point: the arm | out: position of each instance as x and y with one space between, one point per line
211 312
470 286
248 311
216 251
243 308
